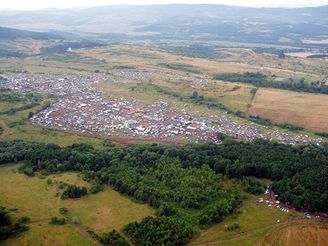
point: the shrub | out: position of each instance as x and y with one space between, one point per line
63 210
24 220
232 226
73 191
113 238
57 221
96 188
76 220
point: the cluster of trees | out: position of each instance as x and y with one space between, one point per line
57 221
184 178
113 238
232 226
181 67
267 122
260 80
171 230
7 227
279 52
322 134
215 213
96 188
252 186
73 191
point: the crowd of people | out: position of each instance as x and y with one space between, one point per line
83 109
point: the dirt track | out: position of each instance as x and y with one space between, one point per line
300 232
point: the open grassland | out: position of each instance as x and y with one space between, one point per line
305 232
237 61
41 233
26 46
310 69
303 109
255 220
148 57
107 210
33 197
58 64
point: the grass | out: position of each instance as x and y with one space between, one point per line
23 130
256 220
43 234
106 210
36 199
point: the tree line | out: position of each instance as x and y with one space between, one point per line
177 180
261 80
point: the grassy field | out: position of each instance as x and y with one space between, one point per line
34 198
303 109
17 127
256 221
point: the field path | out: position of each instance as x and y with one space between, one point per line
248 233
75 227
6 131
84 233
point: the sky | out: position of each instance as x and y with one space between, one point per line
41 4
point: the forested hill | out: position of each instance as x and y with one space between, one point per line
300 173
12 34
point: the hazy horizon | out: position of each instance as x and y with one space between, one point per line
61 4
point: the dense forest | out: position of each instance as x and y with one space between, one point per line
185 183
261 80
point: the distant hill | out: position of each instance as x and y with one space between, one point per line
21 43
12 34
178 21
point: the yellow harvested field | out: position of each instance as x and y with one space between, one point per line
310 233
303 109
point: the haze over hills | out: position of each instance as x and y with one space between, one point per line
191 22
13 34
